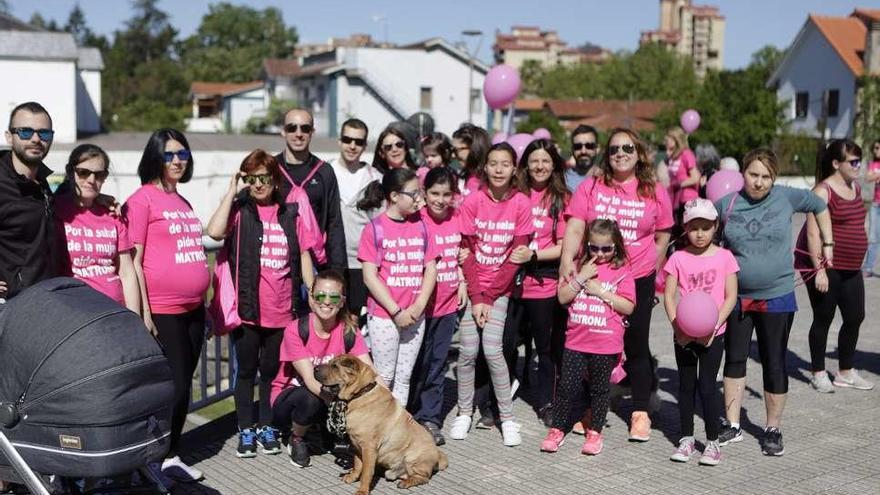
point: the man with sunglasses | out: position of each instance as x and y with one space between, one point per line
316 177
584 150
26 229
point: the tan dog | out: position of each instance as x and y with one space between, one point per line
382 432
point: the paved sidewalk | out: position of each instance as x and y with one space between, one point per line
832 442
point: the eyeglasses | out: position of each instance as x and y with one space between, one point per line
414 195
629 149
855 162
356 141
84 173
305 128
183 155
589 146
327 297
601 249
28 132
253 179
397 144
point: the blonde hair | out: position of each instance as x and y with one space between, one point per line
681 140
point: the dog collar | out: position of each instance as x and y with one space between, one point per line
336 421
360 393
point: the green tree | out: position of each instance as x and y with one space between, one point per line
232 41
76 25
536 120
39 22
531 73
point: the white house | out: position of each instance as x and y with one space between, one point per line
383 85
49 68
278 73
221 107
818 75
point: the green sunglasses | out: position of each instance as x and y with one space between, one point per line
328 297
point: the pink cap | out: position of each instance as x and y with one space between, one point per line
699 208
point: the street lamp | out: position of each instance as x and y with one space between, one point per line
471 55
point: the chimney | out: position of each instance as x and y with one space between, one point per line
872 48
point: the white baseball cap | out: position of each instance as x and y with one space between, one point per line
699 208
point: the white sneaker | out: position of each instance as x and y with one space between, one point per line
514 387
177 470
510 432
460 427
821 383
852 380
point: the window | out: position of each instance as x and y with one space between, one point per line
801 104
833 102
476 100
425 98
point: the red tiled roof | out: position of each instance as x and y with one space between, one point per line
529 104
275 67
203 88
867 14
847 36
644 109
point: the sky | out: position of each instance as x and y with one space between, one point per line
615 24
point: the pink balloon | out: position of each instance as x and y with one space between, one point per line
499 137
541 133
697 314
690 120
501 86
519 142
722 183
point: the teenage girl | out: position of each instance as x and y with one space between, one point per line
600 295
470 144
700 266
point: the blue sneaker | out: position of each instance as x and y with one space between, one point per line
247 443
267 439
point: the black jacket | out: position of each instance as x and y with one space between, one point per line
245 255
323 191
27 232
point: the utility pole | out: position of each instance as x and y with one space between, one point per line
471 55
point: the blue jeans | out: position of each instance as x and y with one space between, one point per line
429 377
873 237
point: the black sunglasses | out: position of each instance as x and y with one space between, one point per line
398 144
84 173
28 132
349 140
305 128
601 249
253 179
589 146
629 149
183 155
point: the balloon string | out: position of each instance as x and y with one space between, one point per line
808 274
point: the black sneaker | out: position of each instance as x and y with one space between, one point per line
247 443
299 452
771 442
267 439
545 414
729 434
435 432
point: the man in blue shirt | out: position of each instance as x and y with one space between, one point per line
584 150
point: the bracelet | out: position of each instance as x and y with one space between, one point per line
396 313
582 285
572 285
827 244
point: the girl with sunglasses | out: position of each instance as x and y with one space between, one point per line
872 175
625 191
600 296
400 271
172 271
495 221
841 285
298 401
268 245
95 244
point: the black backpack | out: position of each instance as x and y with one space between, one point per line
303 326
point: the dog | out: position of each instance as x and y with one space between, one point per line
381 431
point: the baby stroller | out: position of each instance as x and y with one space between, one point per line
85 390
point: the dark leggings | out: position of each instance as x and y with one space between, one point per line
846 290
635 344
697 372
356 296
297 405
538 320
181 336
584 384
255 348
772 330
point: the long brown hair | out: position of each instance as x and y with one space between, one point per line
836 150
606 226
644 170
557 191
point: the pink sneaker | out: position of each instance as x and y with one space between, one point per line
554 439
593 443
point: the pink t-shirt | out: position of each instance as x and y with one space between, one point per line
472 184
318 350
276 287
639 218
494 224
593 326
688 162
541 288
446 237
873 167
94 239
400 258
175 266
705 273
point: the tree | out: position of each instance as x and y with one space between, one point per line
76 25
232 41
531 73
536 120
4 7
39 22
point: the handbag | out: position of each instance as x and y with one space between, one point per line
223 308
